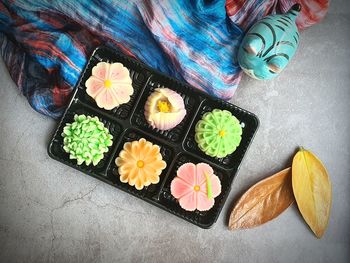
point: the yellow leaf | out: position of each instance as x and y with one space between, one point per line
312 190
263 201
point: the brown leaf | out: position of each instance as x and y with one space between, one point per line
312 190
263 201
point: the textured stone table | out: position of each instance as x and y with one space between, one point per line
52 213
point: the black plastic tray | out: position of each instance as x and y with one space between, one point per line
127 123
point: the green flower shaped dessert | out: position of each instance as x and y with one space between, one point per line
218 133
86 139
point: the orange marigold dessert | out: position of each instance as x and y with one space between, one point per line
140 163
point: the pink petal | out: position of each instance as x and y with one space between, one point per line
180 188
203 202
201 169
188 202
105 100
118 72
115 96
215 181
215 185
187 173
101 70
121 92
94 86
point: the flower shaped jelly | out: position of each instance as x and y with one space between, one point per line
109 85
164 109
140 163
218 133
195 186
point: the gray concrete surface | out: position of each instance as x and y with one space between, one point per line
52 213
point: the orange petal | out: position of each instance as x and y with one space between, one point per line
135 150
139 184
142 174
134 174
119 161
127 167
143 148
124 177
149 169
154 179
159 165
126 156
127 147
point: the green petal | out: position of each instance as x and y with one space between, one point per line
86 139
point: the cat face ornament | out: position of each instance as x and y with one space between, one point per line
269 45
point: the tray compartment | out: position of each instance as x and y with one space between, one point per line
191 102
204 218
112 171
56 147
249 125
137 74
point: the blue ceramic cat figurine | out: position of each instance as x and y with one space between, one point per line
269 45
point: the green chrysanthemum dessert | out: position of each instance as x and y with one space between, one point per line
218 133
86 139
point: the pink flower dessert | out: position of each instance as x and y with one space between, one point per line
109 85
195 186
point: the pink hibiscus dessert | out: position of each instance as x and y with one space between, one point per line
109 85
195 186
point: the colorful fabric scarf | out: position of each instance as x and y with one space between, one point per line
45 44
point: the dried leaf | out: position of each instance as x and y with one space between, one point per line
263 201
312 190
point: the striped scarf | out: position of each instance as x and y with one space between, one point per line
45 44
